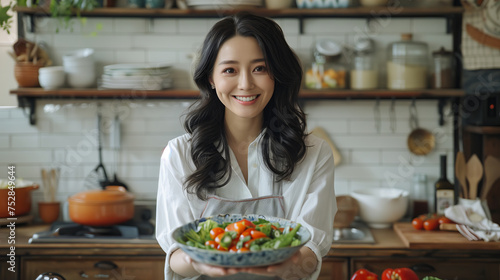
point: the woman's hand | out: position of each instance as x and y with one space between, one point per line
300 265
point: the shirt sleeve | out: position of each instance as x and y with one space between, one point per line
172 206
320 205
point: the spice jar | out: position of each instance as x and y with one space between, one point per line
327 70
442 69
364 72
407 64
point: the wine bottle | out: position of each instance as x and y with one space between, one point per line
445 192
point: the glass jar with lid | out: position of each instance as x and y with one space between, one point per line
407 64
442 75
364 70
327 70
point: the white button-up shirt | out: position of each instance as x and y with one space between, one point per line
309 196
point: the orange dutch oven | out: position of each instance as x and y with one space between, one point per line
111 206
22 200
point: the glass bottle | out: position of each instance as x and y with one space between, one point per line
444 190
327 70
443 75
364 72
407 64
419 196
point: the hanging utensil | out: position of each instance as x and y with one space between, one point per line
460 172
376 115
392 116
115 142
491 174
420 141
474 175
98 176
321 133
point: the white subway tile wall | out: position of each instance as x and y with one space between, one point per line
374 154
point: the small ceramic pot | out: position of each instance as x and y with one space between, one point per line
49 211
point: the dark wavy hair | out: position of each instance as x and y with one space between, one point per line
283 143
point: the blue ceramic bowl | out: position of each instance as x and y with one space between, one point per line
246 259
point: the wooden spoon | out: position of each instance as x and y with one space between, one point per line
460 172
474 175
491 174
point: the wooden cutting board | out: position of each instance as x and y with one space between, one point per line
422 239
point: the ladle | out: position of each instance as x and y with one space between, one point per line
420 141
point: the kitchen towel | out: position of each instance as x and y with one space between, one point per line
472 221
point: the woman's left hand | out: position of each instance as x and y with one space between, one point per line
301 265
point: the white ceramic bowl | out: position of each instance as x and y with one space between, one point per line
52 77
279 4
78 56
380 207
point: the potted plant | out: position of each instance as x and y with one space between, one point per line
63 10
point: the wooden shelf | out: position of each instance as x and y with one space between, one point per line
292 12
491 130
68 93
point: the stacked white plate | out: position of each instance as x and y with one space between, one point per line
222 4
137 76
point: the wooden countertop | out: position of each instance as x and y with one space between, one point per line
387 243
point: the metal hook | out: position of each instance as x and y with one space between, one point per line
376 113
392 115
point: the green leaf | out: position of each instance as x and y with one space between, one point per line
5 18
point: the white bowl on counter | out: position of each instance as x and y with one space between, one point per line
52 77
381 207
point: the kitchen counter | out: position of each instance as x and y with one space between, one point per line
389 250
387 241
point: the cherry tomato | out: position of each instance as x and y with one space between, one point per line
247 223
257 234
238 227
212 244
417 223
241 250
218 238
216 231
431 224
246 233
220 248
444 220
233 249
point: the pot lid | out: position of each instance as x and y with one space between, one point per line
111 194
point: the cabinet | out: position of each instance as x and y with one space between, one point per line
484 141
5 265
462 269
334 268
112 268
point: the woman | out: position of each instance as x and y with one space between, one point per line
246 151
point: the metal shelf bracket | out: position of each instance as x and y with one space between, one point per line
28 103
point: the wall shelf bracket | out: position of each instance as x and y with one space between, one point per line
441 104
29 104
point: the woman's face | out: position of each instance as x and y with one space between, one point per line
241 78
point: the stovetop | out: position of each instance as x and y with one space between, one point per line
67 232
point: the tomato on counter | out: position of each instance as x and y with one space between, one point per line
364 274
402 273
431 224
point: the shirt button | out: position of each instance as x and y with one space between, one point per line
254 165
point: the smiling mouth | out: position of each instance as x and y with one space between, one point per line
246 98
